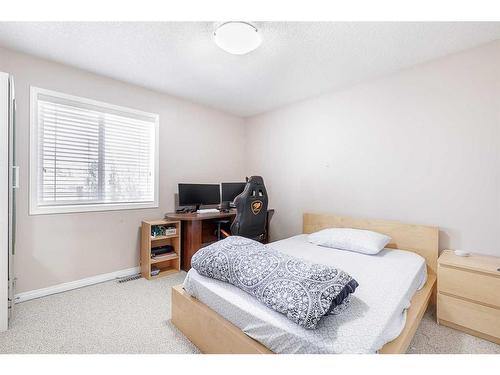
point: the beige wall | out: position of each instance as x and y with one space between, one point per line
419 146
197 144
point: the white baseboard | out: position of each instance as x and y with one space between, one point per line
26 296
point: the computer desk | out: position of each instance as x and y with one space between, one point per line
197 231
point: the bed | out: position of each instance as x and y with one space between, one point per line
219 318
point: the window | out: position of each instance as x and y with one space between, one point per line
90 156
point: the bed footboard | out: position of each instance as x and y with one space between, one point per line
212 333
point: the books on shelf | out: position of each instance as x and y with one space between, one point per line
157 251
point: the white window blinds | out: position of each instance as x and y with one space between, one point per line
91 155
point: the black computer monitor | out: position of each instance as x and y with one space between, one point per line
231 190
198 194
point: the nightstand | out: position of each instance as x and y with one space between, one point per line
468 296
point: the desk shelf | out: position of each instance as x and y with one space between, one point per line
168 263
164 258
165 272
159 238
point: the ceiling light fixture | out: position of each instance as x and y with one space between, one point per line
237 37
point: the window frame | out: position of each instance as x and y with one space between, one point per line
34 207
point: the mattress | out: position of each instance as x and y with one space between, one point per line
376 314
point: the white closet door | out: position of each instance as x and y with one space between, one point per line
4 199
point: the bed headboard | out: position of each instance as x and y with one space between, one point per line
421 239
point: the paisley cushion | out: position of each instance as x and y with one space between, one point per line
301 290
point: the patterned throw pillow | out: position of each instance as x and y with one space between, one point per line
301 290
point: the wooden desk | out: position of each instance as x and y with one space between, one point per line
198 231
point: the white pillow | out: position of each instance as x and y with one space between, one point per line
358 240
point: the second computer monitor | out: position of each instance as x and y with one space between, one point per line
231 190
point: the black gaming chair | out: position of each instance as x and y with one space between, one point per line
251 211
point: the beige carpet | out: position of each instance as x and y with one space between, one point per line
133 317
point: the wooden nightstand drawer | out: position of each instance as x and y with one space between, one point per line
469 294
480 318
472 285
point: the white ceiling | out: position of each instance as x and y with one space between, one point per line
296 59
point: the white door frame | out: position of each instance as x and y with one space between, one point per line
4 199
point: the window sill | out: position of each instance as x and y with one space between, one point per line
53 210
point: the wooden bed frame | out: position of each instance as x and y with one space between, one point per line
212 333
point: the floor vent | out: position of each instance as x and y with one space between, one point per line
129 278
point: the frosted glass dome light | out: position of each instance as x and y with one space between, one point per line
237 37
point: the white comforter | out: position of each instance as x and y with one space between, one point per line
376 315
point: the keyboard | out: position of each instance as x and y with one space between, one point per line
208 211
